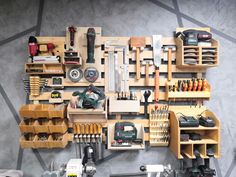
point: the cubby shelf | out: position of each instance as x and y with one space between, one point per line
210 135
199 55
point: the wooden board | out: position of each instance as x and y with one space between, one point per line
101 64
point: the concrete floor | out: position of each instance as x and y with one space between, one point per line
20 19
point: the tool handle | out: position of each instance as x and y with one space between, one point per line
138 63
169 64
147 74
95 129
78 129
91 34
156 85
145 107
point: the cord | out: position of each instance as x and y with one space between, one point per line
181 114
199 115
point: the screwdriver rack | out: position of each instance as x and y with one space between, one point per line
119 48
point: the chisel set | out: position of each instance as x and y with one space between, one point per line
88 133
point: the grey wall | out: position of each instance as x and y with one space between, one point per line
20 19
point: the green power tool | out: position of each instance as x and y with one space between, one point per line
125 132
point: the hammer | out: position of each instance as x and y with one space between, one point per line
147 63
169 49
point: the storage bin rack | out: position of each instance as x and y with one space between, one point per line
43 119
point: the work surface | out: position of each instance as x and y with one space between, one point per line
117 18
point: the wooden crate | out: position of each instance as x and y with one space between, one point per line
57 126
39 143
58 143
140 134
42 127
57 111
42 110
26 126
27 111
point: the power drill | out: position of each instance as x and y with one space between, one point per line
191 37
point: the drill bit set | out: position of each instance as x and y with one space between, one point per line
159 126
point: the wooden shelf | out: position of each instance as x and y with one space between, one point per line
203 141
45 68
140 134
182 54
210 135
188 94
87 115
199 128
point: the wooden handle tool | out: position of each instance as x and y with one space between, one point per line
156 93
138 75
169 64
147 74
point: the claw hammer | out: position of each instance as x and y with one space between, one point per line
169 49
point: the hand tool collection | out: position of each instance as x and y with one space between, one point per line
109 91
193 84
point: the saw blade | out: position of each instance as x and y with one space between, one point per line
157 47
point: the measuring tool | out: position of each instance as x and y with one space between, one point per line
119 72
157 48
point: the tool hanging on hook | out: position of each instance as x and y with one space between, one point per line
72 31
91 35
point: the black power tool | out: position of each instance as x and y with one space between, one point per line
192 37
91 34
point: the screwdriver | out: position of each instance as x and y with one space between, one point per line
195 84
199 88
185 86
204 85
190 85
